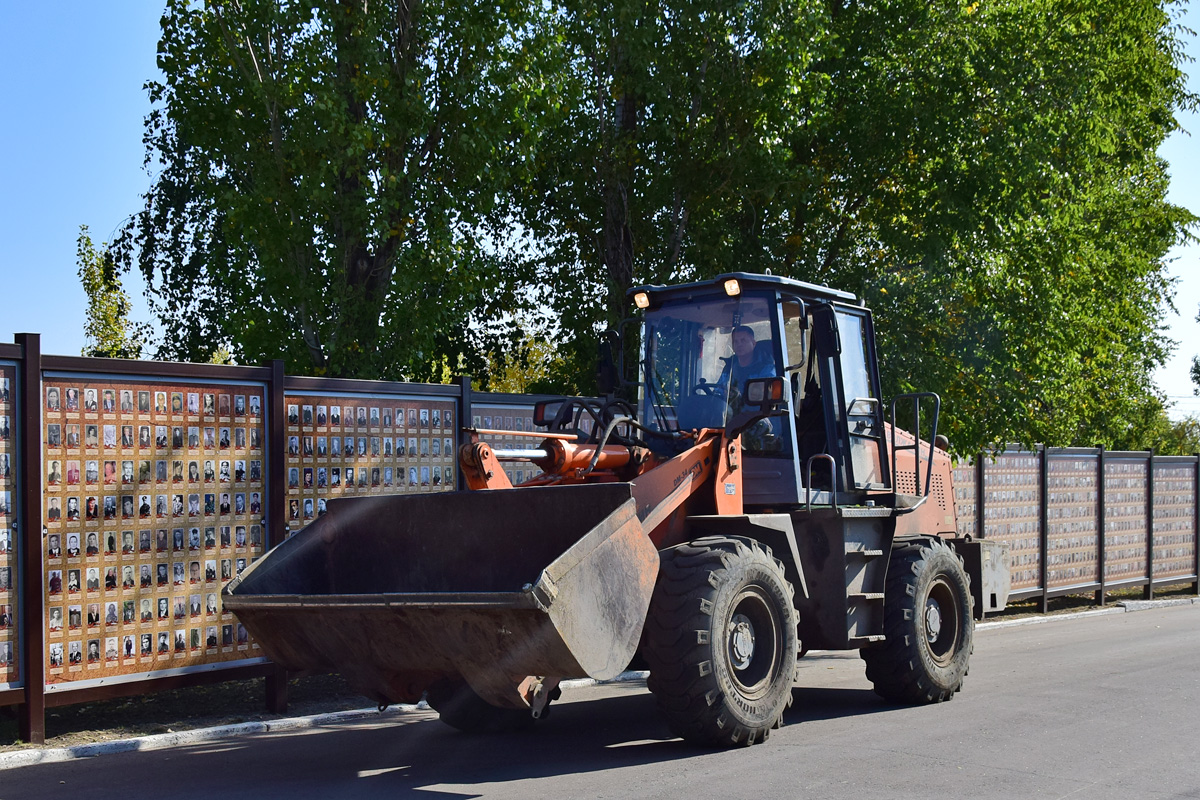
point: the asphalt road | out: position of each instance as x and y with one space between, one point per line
1100 707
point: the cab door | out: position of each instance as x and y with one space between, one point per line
849 373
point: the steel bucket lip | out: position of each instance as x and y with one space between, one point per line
483 601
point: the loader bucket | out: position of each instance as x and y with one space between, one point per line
398 592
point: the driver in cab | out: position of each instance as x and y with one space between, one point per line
745 363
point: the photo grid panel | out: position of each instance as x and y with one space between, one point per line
359 445
153 501
513 422
9 668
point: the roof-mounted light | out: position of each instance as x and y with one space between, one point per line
641 300
732 288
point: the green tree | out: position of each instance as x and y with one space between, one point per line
1196 368
108 331
324 179
984 175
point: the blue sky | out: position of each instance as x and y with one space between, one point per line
71 77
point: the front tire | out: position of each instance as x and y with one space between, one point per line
928 623
720 641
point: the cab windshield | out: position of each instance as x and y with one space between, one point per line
699 355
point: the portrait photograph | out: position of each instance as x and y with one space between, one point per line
53 402
239 405
143 399
222 405
322 416
108 400
210 405
53 434
335 415
90 402
126 401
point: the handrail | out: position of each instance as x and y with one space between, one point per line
916 397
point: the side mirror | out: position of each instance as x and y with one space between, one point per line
765 393
545 413
608 378
761 398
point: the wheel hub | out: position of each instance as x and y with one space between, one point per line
933 620
741 641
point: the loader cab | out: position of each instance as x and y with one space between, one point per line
703 340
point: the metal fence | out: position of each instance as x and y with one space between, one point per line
130 491
1083 520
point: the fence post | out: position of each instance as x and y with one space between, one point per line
980 467
274 406
1148 592
1044 526
1196 525
465 415
1101 523
29 534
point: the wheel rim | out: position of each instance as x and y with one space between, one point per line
941 617
753 642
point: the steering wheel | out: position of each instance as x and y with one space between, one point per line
709 390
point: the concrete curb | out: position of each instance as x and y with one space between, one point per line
1119 608
33 756
159 741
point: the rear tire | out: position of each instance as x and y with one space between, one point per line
928 623
720 641
459 707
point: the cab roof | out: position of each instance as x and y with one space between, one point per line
748 281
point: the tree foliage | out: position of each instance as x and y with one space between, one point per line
376 188
984 175
108 331
325 172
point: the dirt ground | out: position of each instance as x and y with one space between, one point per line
245 701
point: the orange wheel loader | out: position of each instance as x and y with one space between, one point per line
750 505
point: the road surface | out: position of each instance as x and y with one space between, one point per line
1100 707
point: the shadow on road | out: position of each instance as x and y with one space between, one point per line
414 754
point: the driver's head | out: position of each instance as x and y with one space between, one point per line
743 342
